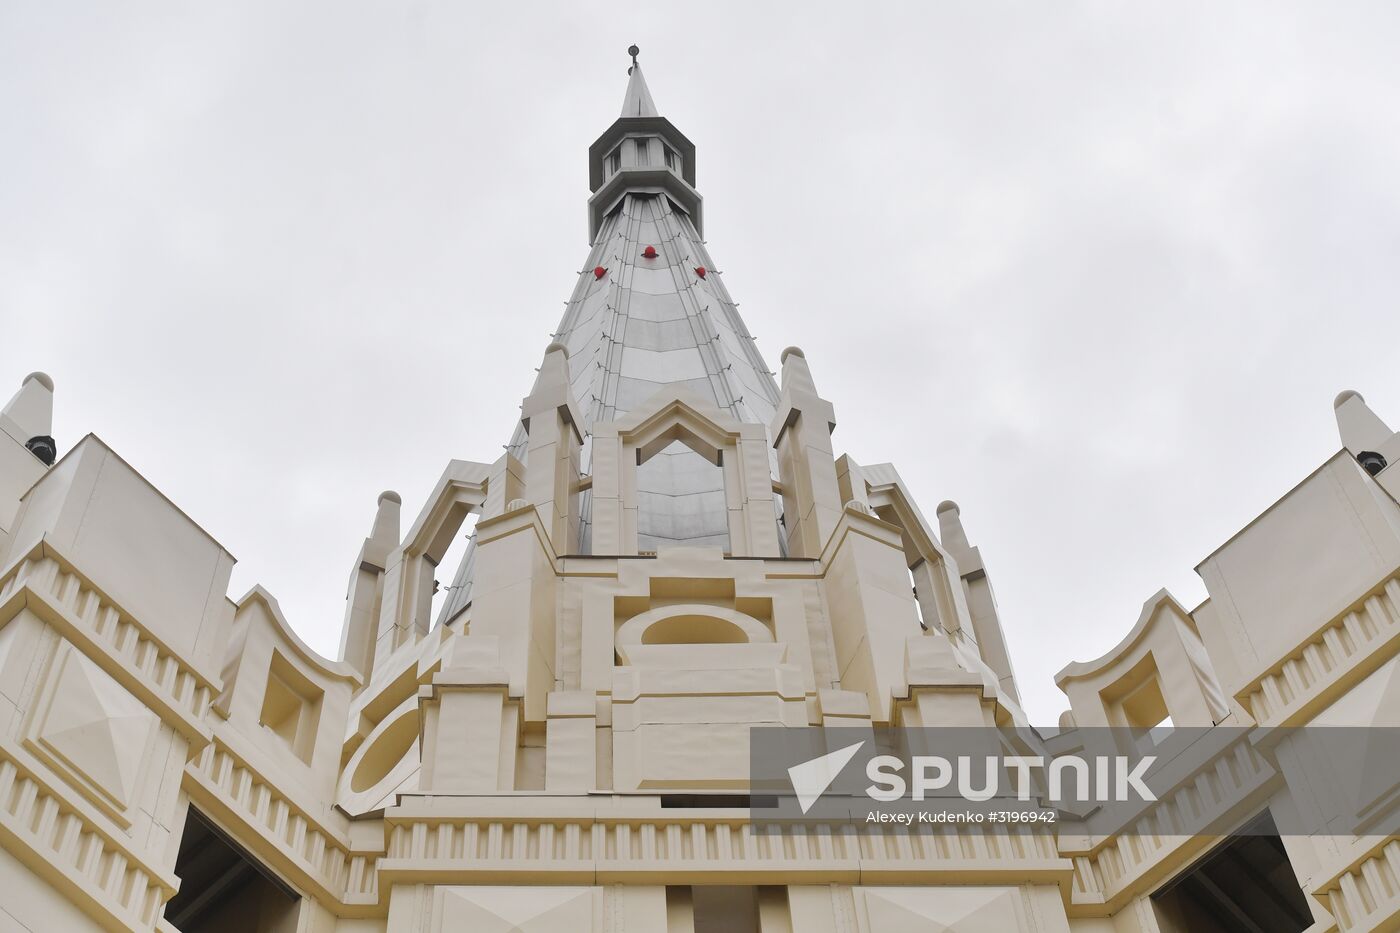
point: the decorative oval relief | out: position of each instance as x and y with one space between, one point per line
388 757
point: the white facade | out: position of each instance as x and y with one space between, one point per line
669 554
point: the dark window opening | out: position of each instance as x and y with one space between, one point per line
673 159
723 908
716 801
615 161
223 889
1246 885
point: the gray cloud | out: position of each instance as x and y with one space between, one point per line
1094 271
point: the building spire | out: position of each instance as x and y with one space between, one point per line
641 153
638 320
637 102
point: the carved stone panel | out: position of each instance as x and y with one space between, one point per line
530 909
953 910
92 731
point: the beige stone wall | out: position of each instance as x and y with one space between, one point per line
507 771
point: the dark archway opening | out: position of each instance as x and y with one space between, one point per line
225 890
1246 885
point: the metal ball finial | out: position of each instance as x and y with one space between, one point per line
634 52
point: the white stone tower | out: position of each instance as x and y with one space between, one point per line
668 556
649 311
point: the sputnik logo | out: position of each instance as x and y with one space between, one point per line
811 778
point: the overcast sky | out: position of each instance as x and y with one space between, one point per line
1094 272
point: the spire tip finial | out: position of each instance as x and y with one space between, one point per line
1345 396
637 102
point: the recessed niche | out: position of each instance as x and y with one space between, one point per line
291 707
1137 703
693 630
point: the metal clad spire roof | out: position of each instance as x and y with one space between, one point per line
653 323
645 324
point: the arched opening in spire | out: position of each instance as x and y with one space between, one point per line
681 500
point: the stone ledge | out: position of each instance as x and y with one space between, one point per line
542 840
1110 871
1345 650
49 587
69 848
1366 894
312 855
